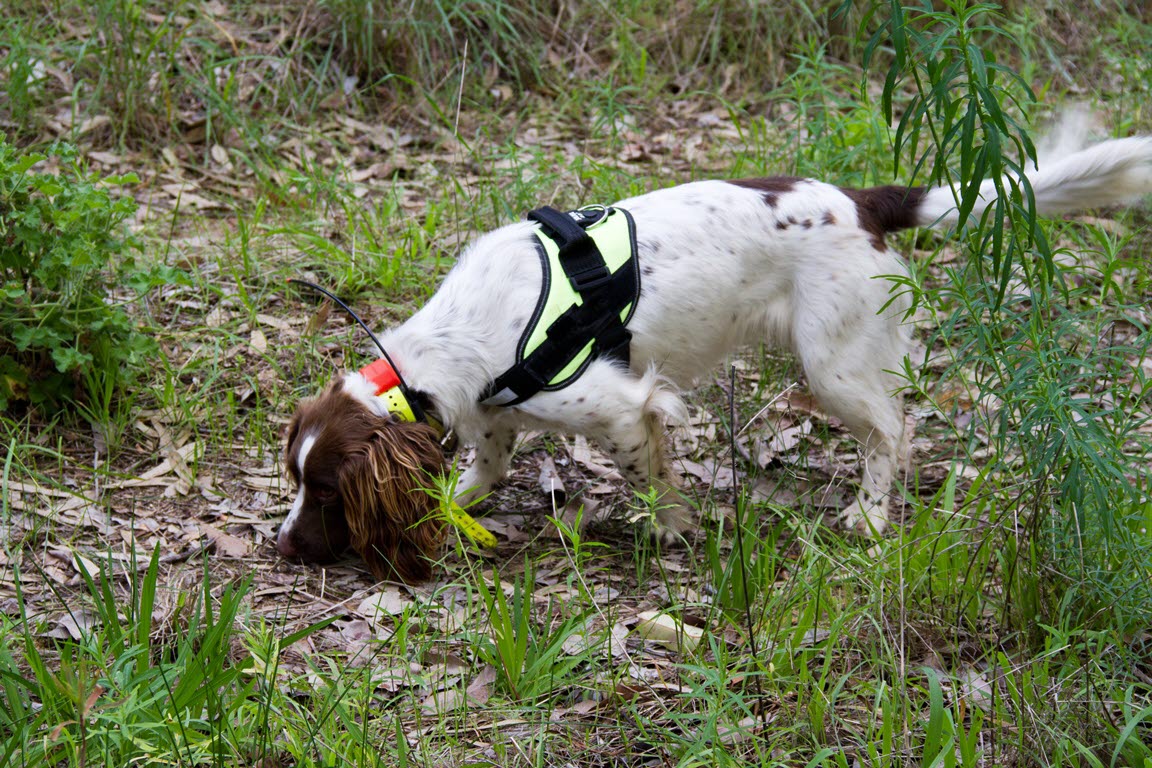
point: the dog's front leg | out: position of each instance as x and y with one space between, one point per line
493 455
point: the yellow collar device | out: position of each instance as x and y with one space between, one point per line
390 388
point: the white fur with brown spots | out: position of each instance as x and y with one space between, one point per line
787 262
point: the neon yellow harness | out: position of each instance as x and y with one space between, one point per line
589 289
590 286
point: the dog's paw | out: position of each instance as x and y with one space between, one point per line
865 518
471 488
673 524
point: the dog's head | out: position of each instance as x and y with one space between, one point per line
360 476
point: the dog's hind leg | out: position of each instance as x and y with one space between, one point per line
626 415
634 436
636 445
849 354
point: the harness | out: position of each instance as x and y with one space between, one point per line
589 290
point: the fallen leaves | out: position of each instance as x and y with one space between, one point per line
668 631
224 544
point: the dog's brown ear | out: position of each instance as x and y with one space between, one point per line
393 522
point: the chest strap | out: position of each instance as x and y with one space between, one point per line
590 287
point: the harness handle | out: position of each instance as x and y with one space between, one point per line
581 259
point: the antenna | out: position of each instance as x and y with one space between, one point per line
418 412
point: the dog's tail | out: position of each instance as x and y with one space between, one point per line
1109 173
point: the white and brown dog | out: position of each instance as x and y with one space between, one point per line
724 264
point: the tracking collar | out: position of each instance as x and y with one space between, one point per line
398 399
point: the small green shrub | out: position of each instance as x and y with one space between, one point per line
67 269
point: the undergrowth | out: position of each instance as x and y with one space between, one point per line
1004 620
67 271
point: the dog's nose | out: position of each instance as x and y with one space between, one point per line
285 546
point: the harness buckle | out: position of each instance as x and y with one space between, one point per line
593 277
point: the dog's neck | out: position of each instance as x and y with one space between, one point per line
445 366
456 345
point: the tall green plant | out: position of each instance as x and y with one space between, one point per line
125 693
530 661
1063 418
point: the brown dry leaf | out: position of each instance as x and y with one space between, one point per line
176 456
581 641
276 322
952 395
384 171
666 630
258 341
381 137
442 702
783 440
319 318
800 401
356 638
975 688
74 624
94 123
219 156
183 198
739 733
392 680
36 488
390 601
582 454
447 664
480 689
718 475
70 557
635 153
226 544
159 470
618 641
216 316
551 484
104 158
273 484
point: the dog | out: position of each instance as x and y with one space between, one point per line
797 263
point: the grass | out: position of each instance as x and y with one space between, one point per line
145 618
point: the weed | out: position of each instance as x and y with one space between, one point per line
63 250
1015 323
530 661
117 696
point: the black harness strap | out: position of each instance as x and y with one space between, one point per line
582 261
604 296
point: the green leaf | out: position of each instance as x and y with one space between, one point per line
69 358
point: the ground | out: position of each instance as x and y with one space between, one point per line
807 647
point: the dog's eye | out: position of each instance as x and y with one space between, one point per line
324 494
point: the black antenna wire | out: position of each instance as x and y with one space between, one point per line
417 411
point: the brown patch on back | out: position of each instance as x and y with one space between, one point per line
885 209
770 187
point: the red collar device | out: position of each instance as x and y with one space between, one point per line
397 399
